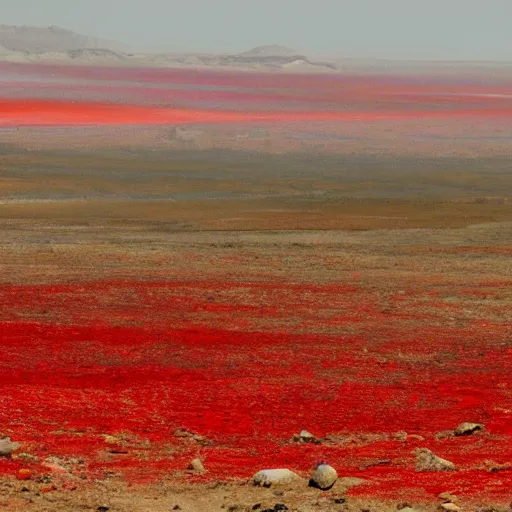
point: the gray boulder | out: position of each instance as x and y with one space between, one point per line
466 429
7 447
275 477
306 437
427 461
323 477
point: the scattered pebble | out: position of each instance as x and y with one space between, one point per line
493 467
53 465
180 432
373 463
197 466
427 461
323 477
401 436
306 437
445 434
278 507
448 497
27 457
7 447
407 508
24 474
494 509
466 429
270 477
48 488
111 439
450 506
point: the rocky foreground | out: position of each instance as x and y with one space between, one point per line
64 485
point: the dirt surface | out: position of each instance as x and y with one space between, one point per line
240 497
115 339
162 302
186 190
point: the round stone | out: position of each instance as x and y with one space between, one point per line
323 477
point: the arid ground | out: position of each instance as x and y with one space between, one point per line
189 271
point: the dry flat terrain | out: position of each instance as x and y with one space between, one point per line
194 190
212 293
173 292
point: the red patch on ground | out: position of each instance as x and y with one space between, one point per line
55 113
66 384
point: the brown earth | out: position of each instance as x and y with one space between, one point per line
66 216
116 496
211 190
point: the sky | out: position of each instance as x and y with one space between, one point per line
390 29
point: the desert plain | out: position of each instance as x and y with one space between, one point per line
204 263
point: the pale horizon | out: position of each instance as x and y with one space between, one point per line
364 29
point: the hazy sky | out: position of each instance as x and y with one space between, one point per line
417 29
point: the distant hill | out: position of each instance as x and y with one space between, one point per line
270 50
95 53
39 40
54 44
273 56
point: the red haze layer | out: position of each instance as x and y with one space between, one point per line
73 95
53 113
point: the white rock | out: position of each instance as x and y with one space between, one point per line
323 477
271 477
7 447
466 429
448 497
427 461
306 437
197 466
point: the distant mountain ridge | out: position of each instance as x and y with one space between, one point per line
273 56
54 44
40 40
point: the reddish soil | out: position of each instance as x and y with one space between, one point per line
52 113
134 360
355 343
119 96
